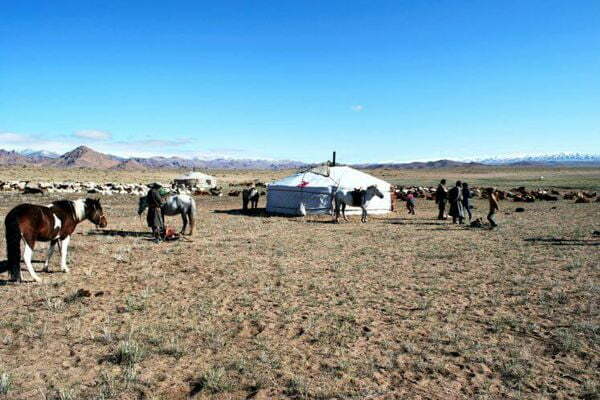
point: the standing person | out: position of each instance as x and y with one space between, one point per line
154 217
466 195
456 203
493 197
441 196
410 203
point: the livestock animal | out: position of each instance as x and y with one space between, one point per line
251 196
33 190
177 204
53 223
359 198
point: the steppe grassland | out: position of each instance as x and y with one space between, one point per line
402 307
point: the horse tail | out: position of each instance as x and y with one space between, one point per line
192 215
13 246
335 203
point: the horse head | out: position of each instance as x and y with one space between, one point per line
374 190
142 204
94 213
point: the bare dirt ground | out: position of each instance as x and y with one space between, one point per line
270 307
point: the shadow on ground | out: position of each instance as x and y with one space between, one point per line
400 221
251 212
564 242
121 233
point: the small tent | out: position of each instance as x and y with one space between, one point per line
314 190
196 179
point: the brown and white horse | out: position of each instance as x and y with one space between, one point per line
54 223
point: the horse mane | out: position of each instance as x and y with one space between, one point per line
66 205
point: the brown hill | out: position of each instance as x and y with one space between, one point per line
13 158
85 157
129 165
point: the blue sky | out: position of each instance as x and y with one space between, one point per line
374 80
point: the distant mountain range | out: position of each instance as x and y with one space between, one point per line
85 157
421 165
573 159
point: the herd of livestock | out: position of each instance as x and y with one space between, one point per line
520 194
104 189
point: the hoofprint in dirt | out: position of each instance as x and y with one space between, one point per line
403 307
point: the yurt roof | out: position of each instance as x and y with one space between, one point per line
325 176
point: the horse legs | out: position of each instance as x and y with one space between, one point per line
27 254
364 214
49 254
344 212
336 212
64 247
185 222
192 222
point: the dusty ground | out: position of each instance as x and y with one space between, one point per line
269 307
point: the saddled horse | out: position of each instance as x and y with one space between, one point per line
357 198
54 223
250 195
177 204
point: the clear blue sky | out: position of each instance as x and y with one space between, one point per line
375 80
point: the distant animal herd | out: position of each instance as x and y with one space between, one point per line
519 194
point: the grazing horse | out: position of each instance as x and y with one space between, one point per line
358 198
251 196
54 223
176 204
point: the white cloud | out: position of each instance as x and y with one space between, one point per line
357 107
99 141
93 135
9 137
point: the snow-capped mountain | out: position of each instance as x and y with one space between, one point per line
39 153
546 159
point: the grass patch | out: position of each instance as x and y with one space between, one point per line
128 352
213 380
5 383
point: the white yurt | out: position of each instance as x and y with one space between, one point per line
196 179
312 191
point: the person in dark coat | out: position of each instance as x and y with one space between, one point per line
466 195
441 197
154 217
456 203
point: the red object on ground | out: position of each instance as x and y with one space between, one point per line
170 234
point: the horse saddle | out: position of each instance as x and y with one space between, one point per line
357 197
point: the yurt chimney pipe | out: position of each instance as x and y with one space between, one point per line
333 161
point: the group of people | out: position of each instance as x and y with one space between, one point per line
458 197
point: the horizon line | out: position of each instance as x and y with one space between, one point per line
480 159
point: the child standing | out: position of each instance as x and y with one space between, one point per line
493 196
410 203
